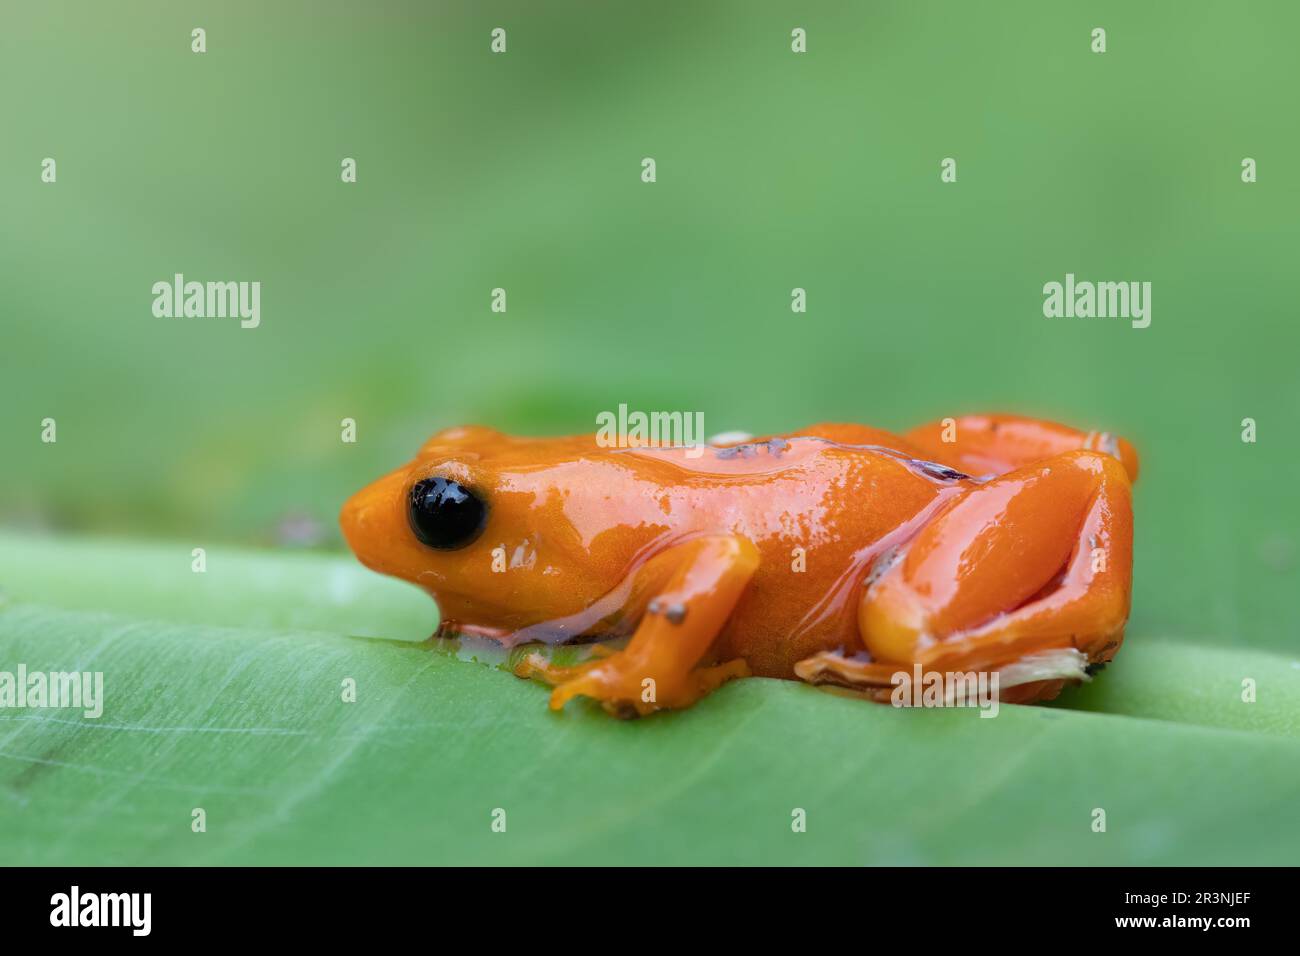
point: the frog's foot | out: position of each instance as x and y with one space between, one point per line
856 673
624 689
696 585
537 666
1035 562
1034 677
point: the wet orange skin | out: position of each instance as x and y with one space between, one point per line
835 554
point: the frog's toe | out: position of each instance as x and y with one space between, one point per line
537 666
706 679
626 694
619 693
858 673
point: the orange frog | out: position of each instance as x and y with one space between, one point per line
840 554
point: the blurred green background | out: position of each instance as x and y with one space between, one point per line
775 170
522 171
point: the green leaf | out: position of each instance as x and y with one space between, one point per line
245 720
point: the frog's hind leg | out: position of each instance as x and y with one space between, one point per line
1027 575
997 444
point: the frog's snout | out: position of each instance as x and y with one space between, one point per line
367 520
352 522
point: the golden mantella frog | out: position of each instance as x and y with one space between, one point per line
839 554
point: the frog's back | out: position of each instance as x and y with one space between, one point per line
820 504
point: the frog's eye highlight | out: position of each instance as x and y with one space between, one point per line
445 514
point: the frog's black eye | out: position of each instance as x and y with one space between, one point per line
445 514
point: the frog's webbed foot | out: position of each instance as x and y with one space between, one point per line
659 668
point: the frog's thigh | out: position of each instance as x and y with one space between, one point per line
996 444
658 667
1038 560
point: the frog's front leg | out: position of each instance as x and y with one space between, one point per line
1027 575
658 669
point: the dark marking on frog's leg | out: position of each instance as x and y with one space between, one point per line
773 446
932 469
673 613
883 562
735 451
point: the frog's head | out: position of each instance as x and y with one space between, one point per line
479 520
